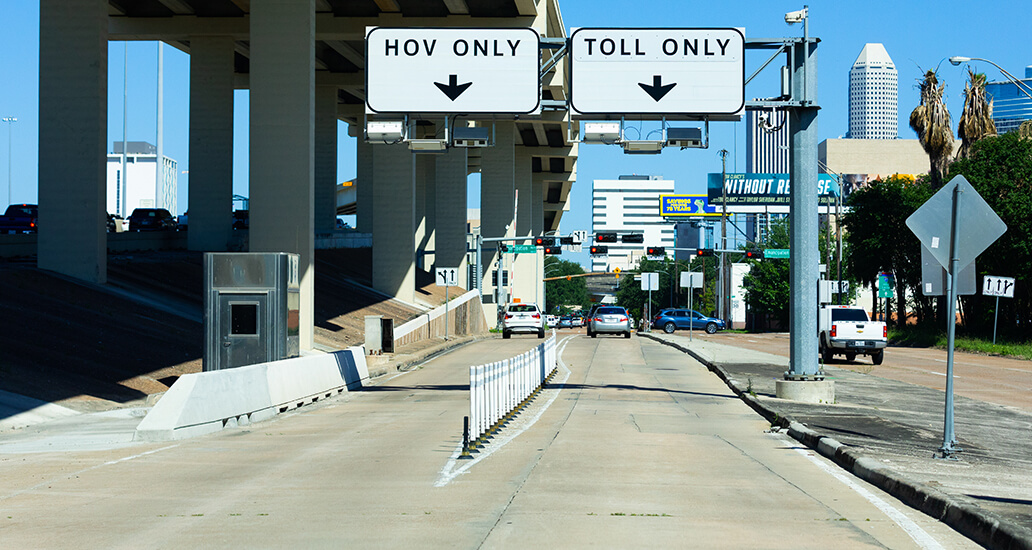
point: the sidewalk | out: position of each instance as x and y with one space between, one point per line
886 433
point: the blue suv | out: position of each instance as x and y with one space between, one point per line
679 319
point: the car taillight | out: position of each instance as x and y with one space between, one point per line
536 316
597 319
623 319
885 331
834 331
508 316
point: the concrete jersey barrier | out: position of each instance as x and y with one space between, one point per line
206 402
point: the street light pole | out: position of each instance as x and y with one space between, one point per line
10 120
721 310
958 59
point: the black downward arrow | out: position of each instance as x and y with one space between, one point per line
453 89
657 90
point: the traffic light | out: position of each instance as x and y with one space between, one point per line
544 241
754 254
553 250
655 251
636 238
704 252
605 237
597 250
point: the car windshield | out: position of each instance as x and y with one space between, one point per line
611 311
848 314
523 308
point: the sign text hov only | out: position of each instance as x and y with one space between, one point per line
657 71
451 70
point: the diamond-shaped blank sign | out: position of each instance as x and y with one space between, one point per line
977 225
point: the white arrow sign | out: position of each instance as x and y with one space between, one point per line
657 71
998 286
446 276
452 70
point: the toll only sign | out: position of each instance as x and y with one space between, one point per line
657 71
452 70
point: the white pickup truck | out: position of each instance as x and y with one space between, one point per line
846 330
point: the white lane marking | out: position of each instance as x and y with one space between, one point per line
920 536
74 474
449 472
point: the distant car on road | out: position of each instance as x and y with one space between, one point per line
151 219
551 321
523 318
20 218
610 320
566 321
682 319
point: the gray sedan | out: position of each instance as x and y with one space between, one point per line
610 320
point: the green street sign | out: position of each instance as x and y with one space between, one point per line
885 283
523 248
777 253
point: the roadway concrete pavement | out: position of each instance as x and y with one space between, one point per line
633 445
889 431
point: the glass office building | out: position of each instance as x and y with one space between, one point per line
1011 106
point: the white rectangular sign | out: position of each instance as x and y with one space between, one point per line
998 286
691 279
452 70
650 281
657 71
446 276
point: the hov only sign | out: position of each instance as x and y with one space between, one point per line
657 71
452 70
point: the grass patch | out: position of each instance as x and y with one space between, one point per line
925 336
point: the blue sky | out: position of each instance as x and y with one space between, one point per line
917 35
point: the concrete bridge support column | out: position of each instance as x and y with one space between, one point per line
450 213
364 181
525 266
325 159
72 134
211 143
497 197
394 223
282 139
538 228
426 219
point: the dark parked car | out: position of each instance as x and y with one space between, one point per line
241 219
680 319
19 218
151 219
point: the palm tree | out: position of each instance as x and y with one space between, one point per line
976 122
931 121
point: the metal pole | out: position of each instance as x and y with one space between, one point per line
122 204
10 159
803 200
996 316
691 291
838 230
723 231
949 439
446 312
159 161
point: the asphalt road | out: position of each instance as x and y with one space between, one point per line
999 380
633 445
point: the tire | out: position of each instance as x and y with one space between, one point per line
878 358
627 334
670 327
541 333
850 357
506 334
711 328
826 355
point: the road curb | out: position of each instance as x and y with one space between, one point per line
982 526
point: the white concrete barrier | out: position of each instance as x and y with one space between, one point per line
205 402
496 389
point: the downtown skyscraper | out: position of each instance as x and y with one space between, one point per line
873 95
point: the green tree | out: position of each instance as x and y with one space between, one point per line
931 120
879 240
766 284
565 293
1000 169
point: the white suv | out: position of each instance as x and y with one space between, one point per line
523 318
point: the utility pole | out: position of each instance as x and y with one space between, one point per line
722 282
